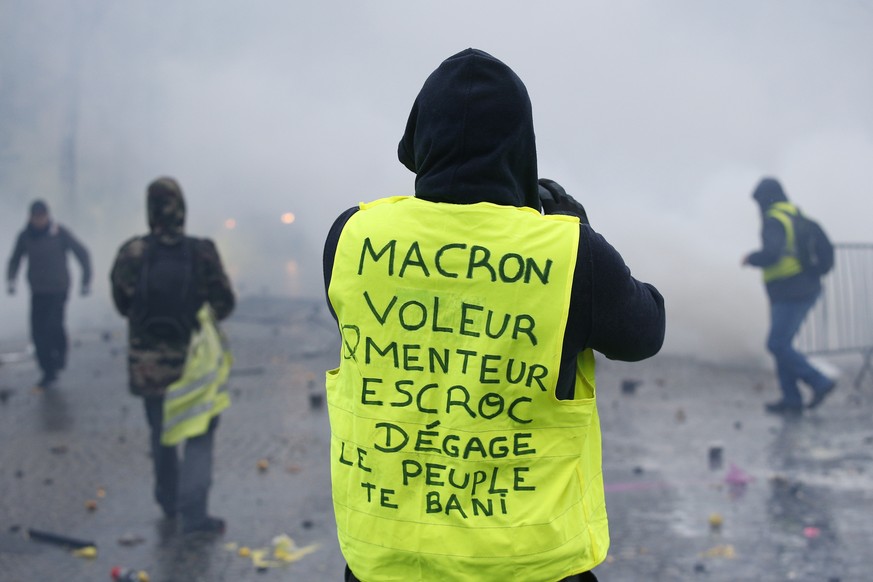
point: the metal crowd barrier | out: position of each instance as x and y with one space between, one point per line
842 320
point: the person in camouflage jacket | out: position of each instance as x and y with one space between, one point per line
155 362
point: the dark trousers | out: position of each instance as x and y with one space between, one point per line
180 484
786 318
583 577
47 330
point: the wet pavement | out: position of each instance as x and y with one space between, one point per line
701 485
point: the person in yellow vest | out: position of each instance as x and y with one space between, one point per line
465 441
792 292
172 289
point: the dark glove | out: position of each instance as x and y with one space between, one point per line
555 200
10 287
86 290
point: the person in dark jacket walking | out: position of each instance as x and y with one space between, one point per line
792 292
157 354
423 289
45 243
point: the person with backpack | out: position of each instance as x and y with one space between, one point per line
45 243
794 255
172 288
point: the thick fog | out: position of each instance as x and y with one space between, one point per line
659 116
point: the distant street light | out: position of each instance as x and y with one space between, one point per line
230 224
288 217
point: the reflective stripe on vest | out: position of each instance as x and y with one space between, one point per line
451 458
200 394
788 264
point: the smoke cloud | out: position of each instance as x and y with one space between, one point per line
659 117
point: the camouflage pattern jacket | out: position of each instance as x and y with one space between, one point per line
153 363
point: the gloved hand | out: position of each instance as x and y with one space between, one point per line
86 290
10 287
555 200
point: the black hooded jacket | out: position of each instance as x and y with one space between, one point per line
470 138
799 287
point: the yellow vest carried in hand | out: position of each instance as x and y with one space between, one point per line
451 457
200 394
788 265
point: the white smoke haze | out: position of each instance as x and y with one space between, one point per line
659 117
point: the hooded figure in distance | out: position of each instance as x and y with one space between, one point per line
159 283
466 318
792 291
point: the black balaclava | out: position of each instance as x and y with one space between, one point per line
470 136
768 192
166 210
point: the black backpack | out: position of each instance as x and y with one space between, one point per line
814 249
165 302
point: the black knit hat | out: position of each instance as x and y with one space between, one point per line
38 207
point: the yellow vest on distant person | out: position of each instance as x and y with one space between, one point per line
451 457
200 394
788 264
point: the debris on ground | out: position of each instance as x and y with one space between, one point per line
726 551
58 539
89 552
737 481
629 387
715 522
5 393
119 574
130 539
716 456
282 551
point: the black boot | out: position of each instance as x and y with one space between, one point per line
48 379
783 407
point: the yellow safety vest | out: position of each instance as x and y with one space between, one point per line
451 457
788 265
200 394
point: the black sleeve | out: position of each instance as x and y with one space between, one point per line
81 254
330 250
15 258
772 244
611 311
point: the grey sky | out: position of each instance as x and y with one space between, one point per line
659 116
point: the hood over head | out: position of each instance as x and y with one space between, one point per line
767 192
166 209
470 135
